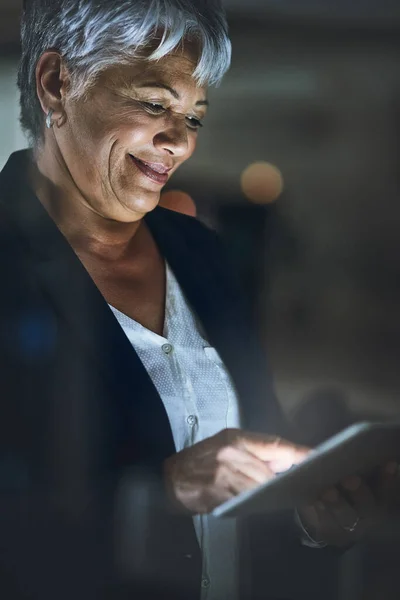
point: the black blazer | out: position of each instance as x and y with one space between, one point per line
83 431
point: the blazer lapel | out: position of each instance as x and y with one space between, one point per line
79 304
202 276
199 270
142 420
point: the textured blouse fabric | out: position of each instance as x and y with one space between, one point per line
200 400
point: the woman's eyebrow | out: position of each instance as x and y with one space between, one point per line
172 91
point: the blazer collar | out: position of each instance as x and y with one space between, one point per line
215 306
201 272
139 411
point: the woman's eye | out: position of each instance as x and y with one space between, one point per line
157 109
193 123
154 107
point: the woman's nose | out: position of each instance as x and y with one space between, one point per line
174 137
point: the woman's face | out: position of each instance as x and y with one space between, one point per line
137 125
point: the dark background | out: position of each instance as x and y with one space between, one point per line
314 88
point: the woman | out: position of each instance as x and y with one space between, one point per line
125 347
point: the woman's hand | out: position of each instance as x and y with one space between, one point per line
203 476
350 511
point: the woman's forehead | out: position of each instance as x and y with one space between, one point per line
176 68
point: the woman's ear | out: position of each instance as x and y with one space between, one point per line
52 81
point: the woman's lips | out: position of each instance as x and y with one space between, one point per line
159 173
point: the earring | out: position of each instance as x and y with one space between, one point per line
49 122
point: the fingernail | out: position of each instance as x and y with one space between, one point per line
351 483
331 495
391 468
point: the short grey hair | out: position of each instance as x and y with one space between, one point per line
93 35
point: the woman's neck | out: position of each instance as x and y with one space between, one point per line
86 230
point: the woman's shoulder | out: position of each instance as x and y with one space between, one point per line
8 237
191 228
203 244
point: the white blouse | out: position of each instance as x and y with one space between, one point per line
200 400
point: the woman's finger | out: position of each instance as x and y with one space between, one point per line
237 481
274 450
246 463
360 496
344 514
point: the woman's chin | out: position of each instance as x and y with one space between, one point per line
139 205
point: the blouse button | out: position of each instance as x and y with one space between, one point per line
205 583
192 420
166 348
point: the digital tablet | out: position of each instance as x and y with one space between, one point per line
359 449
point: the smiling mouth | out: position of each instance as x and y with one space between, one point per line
157 172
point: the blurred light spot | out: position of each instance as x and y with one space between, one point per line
36 335
179 202
262 182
